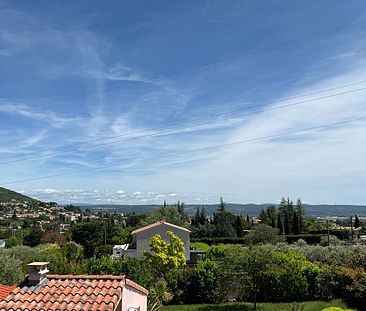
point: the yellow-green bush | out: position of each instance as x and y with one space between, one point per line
335 309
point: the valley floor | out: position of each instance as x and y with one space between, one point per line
308 306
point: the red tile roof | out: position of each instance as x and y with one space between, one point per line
158 223
5 290
71 292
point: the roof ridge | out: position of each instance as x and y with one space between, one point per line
85 277
156 223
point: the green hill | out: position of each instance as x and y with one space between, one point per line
7 195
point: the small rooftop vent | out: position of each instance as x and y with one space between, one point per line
37 272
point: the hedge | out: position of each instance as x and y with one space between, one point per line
342 234
309 238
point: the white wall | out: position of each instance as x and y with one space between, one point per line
133 300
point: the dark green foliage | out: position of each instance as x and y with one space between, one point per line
171 214
224 224
269 216
204 283
205 230
239 227
136 220
296 224
342 234
103 251
221 207
357 223
300 212
11 242
308 238
262 234
10 270
33 235
89 234
216 241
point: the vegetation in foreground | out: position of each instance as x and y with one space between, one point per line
307 306
261 267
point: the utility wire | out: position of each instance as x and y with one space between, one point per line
189 69
193 123
196 150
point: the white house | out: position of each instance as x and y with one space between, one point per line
142 236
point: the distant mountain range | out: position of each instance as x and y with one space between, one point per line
322 210
7 195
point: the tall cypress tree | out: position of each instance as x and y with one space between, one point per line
239 227
296 227
357 222
279 223
221 207
300 210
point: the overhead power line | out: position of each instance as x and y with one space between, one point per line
191 124
195 150
184 70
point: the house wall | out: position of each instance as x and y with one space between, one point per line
142 239
133 300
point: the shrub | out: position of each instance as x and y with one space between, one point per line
10 270
335 309
333 240
206 280
200 246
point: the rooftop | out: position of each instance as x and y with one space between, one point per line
159 223
70 292
5 290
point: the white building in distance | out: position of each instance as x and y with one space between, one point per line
142 236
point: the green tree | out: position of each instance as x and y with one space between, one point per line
239 227
89 234
207 286
33 236
257 263
165 256
263 234
286 210
224 222
10 270
221 207
357 222
300 211
11 242
169 214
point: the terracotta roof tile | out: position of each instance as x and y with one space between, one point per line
5 290
158 223
68 292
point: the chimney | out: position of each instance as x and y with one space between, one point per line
37 273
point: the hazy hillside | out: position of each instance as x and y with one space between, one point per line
250 209
9 195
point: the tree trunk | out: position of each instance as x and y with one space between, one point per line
255 295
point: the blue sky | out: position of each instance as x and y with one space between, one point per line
74 72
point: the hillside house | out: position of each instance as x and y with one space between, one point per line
142 236
40 291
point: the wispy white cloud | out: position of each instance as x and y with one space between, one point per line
51 118
101 197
